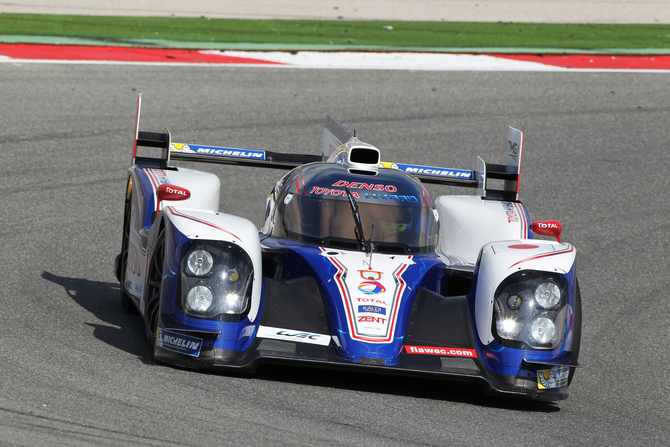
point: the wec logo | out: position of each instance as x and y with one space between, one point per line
306 335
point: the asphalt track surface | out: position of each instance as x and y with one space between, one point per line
76 370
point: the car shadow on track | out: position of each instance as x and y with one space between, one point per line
123 331
422 388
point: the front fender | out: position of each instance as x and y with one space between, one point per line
209 226
500 259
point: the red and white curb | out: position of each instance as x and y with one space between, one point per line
76 54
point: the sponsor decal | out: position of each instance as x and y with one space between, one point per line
181 343
161 176
407 199
323 191
369 319
510 211
372 309
451 352
427 170
371 287
319 191
513 150
134 261
293 335
228 152
368 186
372 301
547 225
553 378
371 275
171 192
180 147
523 246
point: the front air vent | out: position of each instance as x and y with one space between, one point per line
371 361
458 363
277 346
362 172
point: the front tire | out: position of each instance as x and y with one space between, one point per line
153 292
577 334
126 301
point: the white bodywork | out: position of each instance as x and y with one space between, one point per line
204 188
196 217
209 225
502 258
467 223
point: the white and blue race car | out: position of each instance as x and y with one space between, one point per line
355 267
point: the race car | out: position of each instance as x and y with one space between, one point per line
355 267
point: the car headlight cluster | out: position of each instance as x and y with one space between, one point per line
215 281
530 310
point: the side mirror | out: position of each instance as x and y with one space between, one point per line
170 192
552 228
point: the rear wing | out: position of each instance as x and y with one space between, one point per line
491 181
208 154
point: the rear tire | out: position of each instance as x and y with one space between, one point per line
153 292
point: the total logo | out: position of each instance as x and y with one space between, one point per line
371 288
547 225
372 301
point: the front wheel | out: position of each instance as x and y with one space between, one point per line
153 292
122 265
577 334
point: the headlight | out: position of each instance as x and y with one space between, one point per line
542 330
215 281
530 310
199 262
547 294
199 298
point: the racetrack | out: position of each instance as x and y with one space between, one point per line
77 370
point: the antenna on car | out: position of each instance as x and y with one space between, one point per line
370 247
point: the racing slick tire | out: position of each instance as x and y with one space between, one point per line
577 336
153 293
126 301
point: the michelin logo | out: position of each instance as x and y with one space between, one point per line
226 152
439 172
173 341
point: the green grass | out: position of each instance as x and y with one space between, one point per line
339 32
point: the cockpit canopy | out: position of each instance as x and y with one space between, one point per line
395 210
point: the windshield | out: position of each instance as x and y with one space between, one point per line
410 228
